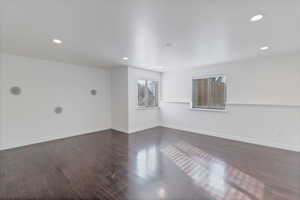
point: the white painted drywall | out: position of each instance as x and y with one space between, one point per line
140 119
30 118
269 84
252 85
119 99
1 109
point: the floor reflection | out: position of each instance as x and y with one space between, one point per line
220 180
147 162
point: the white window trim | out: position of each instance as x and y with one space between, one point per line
148 108
207 76
158 95
209 109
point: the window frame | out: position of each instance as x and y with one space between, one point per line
146 84
205 108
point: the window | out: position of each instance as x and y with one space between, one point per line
209 93
147 93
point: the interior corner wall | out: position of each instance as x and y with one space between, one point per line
141 119
119 99
30 118
263 102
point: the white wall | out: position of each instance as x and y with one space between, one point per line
263 98
30 118
119 99
1 94
263 102
140 119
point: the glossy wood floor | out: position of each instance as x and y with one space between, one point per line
158 163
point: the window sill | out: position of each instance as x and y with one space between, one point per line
147 108
209 110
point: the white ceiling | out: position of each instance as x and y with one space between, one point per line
101 32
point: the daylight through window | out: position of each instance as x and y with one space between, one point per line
147 93
209 93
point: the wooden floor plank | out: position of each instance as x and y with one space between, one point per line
158 163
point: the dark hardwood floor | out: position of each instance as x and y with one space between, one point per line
158 163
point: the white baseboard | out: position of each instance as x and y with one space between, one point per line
13 146
120 130
238 138
142 129
198 131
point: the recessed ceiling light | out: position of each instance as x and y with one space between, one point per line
57 41
264 48
168 44
256 18
125 58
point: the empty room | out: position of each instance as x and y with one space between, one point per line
150 99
